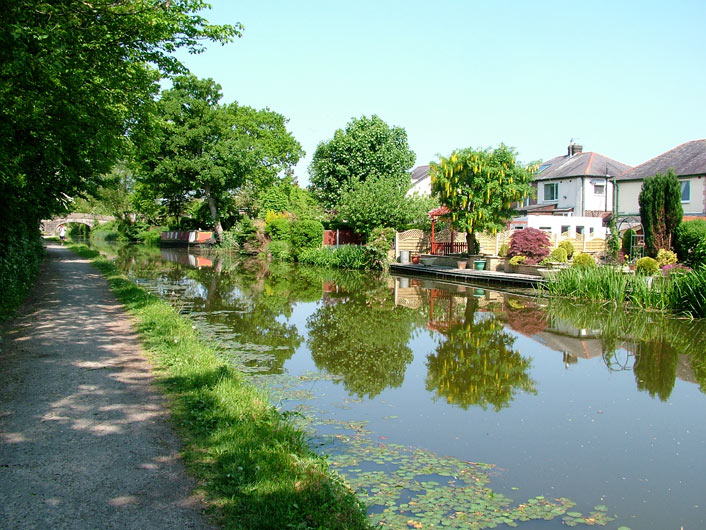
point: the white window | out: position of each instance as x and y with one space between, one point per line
599 189
579 229
564 228
685 191
551 191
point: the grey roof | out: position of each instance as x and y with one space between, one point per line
419 173
685 159
580 165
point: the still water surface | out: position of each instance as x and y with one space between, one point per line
459 407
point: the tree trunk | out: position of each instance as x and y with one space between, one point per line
472 242
214 214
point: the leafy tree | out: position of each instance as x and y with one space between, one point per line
76 75
661 211
374 202
366 148
479 187
689 234
195 147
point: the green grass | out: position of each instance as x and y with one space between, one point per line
685 294
253 467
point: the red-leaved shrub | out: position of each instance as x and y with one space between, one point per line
529 242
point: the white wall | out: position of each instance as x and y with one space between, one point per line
629 191
421 187
570 194
554 223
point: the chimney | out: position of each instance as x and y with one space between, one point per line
575 149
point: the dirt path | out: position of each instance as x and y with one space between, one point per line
84 438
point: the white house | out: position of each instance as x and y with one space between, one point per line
688 161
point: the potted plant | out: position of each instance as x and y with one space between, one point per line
479 264
461 263
514 262
416 258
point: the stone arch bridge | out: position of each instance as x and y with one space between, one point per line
49 226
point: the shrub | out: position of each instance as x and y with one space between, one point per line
688 236
698 257
529 242
688 294
569 247
21 256
517 260
278 229
279 250
150 237
583 261
306 234
647 266
344 257
379 243
560 254
503 250
627 241
666 257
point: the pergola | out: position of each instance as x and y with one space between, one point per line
444 247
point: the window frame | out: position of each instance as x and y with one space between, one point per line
685 186
555 187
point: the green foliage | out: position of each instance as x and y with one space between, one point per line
278 229
559 254
275 199
20 259
666 257
698 256
688 235
242 233
193 146
517 260
688 294
306 234
568 246
582 260
660 211
374 202
378 245
502 252
479 187
628 242
343 257
90 68
367 148
613 243
279 250
418 208
151 236
647 266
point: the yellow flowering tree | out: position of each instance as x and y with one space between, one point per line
480 187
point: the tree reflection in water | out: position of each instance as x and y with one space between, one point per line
477 365
363 337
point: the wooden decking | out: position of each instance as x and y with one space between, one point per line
467 275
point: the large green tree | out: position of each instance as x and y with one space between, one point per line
75 77
366 148
661 211
195 147
479 187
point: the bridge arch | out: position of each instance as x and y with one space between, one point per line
50 226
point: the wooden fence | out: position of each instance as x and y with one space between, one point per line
419 242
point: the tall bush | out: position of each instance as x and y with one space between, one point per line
660 211
306 234
530 242
688 235
22 253
627 241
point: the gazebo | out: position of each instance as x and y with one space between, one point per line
444 247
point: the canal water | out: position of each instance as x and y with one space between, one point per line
461 407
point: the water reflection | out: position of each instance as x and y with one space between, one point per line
362 336
476 363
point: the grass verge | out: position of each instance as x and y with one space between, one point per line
253 467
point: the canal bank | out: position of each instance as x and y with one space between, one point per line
443 272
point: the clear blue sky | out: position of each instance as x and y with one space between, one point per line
625 78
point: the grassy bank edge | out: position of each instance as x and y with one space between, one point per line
254 469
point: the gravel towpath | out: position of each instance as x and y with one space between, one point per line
85 440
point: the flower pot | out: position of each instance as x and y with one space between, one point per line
415 259
461 264
479 264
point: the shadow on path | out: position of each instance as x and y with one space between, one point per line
84 437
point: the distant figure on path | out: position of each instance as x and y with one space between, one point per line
62 233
